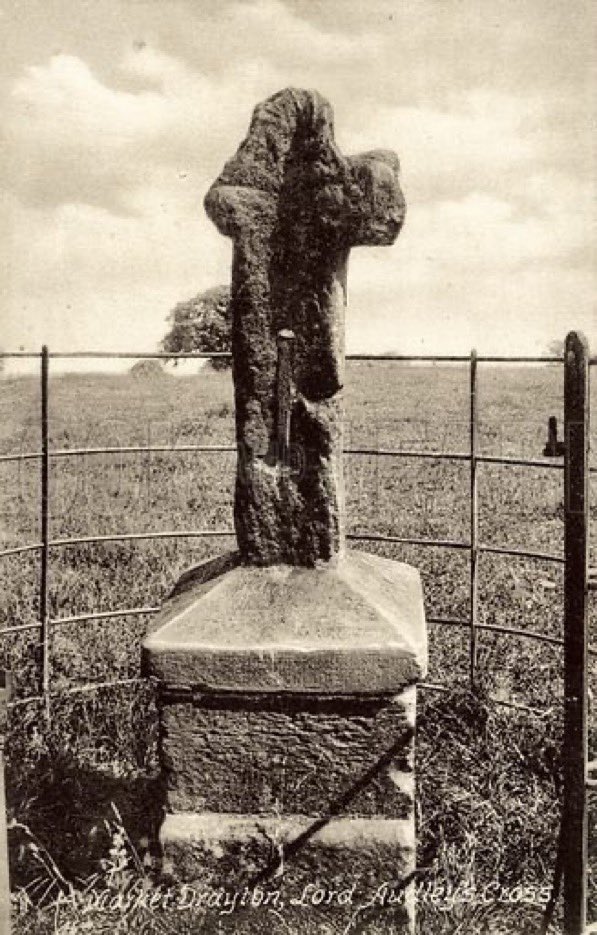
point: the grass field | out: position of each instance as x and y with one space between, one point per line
488 776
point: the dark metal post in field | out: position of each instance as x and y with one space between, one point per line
474 507
576 538
553 448
45 528
4 874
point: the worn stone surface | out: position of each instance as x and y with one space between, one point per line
191 586
355 625
294 206
290 755
365 860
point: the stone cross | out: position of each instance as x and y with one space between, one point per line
288 668
294 206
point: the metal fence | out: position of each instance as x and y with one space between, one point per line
474 547
579 580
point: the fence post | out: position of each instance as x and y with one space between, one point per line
4 870
474 517
45 530
576 537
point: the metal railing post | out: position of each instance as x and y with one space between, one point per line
4 869
474 518
45 529
576 538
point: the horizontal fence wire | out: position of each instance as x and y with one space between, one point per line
81 689
497 628
407 540
515 705
208 355
20 549
20 628
215 533
140 536
522 553
210 449
113 449
142 611
105 615
147 681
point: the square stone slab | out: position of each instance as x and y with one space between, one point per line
353 626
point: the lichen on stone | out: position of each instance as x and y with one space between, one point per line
294 206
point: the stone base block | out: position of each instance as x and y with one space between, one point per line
291 874
287 712
290 755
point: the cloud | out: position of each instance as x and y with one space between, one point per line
434 45
73 139
99 280
498 313
222 39
477 140
502 274
110 144
483 232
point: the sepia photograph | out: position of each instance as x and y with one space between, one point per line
298 586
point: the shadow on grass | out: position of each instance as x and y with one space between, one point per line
75 816
65 773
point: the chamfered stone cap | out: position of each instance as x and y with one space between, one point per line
353 626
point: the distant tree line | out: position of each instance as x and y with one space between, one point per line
555 348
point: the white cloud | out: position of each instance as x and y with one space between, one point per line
479 272
71 138
94 279
107 155
482 232
474 142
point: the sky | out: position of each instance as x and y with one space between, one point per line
118 115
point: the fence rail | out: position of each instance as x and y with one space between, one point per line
218 449
209 355
217 533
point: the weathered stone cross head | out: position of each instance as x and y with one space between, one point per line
294 206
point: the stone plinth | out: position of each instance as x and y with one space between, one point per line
287 725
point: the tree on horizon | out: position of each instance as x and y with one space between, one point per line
555 347
201 323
